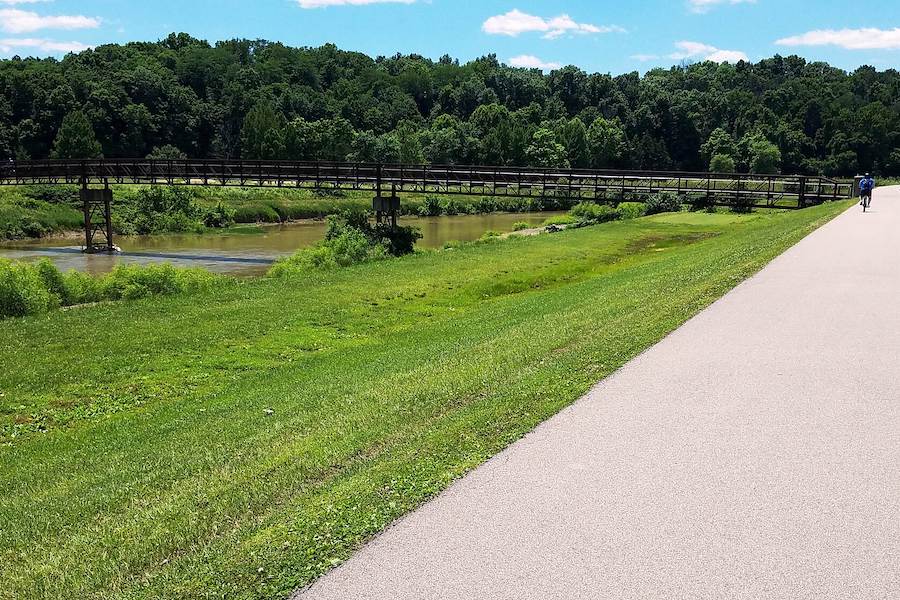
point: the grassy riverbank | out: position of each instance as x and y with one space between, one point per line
38 211
239 442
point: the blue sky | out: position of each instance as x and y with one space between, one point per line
598 35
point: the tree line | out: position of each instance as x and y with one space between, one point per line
183 97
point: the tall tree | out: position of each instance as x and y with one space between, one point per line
76 138
606 143
262 136
762 155
545 151
719 143
573 135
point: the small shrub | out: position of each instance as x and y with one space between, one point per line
34 229
349 239
159 209
430 207
22 291
743 205
397 241
350 247
520 226
699 202
663 202
131 282
453 206
490 233
485 204
632 210
218 217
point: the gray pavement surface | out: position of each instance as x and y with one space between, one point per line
754 453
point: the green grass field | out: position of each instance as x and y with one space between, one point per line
239 442
23 215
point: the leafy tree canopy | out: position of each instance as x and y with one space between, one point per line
76 138
257 99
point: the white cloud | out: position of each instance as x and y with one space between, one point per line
645 57
13 20
696 50
10 45
533 62
516 22
703 6
729 56
327 3
849 39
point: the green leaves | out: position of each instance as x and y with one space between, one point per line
76 138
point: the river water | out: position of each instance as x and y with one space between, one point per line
247 253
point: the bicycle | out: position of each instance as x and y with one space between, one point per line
866 201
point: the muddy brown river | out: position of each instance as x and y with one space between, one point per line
247 253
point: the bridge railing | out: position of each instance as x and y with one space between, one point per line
602 184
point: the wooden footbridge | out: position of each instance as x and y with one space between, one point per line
386 181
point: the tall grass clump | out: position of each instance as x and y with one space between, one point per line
22 290
131 282
33 288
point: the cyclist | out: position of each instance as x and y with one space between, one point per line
866 185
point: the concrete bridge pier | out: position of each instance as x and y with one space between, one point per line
97 207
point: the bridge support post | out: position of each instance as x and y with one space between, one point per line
387 207
97 207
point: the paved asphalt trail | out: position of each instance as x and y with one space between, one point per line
754 453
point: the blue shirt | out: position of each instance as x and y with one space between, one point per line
867 184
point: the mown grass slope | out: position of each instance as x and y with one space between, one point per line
240 442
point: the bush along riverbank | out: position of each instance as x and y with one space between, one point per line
34 288
350 238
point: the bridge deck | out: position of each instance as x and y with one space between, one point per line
720 188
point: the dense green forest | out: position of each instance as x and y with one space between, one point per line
256 99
